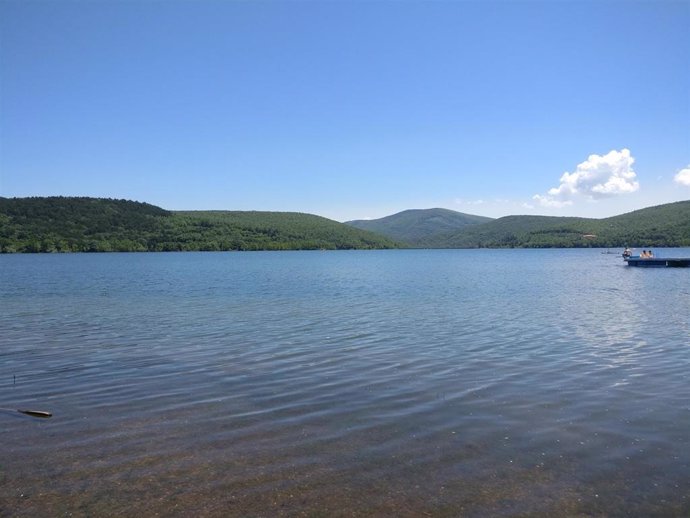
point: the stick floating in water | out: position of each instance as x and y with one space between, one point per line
33 413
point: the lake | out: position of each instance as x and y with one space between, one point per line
350 383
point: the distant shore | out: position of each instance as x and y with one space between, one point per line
77 224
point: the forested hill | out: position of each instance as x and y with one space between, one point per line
64 224
69 224
420 227
663 225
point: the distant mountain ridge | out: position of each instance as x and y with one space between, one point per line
662 225
78 224
419 227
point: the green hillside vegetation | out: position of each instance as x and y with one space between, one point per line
67 224
64 224
661 226
419 227
254 230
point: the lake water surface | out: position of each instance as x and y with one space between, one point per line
354 383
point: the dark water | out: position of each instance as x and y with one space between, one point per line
392 383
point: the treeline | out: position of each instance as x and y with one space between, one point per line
661 226
69 224
66 224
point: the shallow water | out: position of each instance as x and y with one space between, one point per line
403 382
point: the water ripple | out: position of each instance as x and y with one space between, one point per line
481 383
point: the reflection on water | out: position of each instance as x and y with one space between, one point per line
474 383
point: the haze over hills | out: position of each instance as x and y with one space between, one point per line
662 225
419 227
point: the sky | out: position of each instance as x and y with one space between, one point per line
349 109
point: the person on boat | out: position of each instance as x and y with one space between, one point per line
627 252
643 254
650 254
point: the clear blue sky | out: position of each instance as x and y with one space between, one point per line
349 109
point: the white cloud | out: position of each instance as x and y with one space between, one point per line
550 201
683 176
597 177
